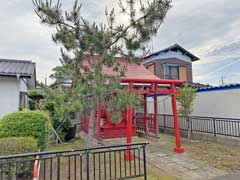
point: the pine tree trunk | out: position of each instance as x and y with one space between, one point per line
189 127
91 128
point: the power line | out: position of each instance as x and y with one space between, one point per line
221 68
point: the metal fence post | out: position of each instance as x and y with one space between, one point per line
88 163
214 126
58 167
1 171
190 121
144 162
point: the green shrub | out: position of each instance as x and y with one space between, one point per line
26 123
17 145
36 94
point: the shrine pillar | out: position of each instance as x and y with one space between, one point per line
156 112
178 148
145 113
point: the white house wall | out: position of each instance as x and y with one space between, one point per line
164 105
218 103
215 103
9 95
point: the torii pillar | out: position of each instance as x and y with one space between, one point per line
145 113
178 148
156 128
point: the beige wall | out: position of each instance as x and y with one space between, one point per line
159 71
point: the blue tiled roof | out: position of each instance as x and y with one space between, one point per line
216 88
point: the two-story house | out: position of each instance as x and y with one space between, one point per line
174 62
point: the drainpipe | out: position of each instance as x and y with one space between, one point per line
18 89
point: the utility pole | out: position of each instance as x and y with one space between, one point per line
222 81
45 81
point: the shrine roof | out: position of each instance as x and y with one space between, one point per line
132 70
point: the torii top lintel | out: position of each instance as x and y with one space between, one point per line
150 81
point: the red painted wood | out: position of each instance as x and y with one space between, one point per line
145 114
129 119
150 81
155 112
148 123
116 132
178 148
149 92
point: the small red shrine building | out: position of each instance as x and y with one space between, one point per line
136 76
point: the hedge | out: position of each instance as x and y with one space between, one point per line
26 123
17 145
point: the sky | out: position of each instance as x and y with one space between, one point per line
210 29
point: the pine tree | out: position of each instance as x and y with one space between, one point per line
82 40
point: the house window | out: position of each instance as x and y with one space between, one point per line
151 68
171 71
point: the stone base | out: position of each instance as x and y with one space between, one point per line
148 136
179 150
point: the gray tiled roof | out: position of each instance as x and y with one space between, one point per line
10 67
175 47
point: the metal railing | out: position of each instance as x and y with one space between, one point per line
211 125
148 126
106 162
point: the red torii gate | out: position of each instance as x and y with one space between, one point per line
153 84
135 75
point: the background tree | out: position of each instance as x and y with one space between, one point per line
186 102
83 39
35 95
61 109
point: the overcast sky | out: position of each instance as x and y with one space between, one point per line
210 29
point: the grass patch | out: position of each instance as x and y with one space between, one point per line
217 155
73 144
153 173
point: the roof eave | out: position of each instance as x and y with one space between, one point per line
15 75
193 57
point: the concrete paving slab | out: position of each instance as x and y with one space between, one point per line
181 165
228 177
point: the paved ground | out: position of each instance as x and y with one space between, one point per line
180 165
228 177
